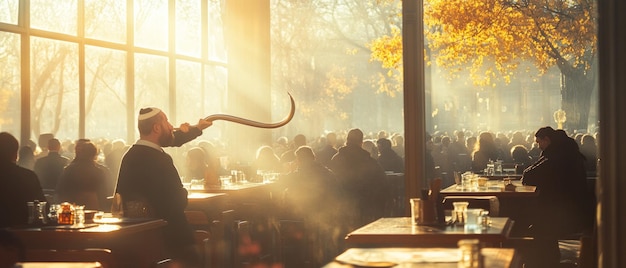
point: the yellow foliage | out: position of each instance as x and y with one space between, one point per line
463 33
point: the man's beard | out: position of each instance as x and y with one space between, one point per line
166 139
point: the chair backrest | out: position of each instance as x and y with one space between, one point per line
490 203
197 218
101 255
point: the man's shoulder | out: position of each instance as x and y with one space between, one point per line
138 149
19 173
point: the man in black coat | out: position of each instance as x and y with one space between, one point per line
565 206
17 185
50 167
148 178
362 180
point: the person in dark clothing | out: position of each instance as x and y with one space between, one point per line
311 186
50 167
429 163
326 153
589 149
388 158
26 157
520 157
485 151
84 181
18 185
149 180
565 207
361 178
310 196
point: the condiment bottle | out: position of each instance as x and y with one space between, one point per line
66 213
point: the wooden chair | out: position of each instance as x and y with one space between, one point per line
103 256
202 236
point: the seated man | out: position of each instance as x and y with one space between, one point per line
148 176
565 206
17 185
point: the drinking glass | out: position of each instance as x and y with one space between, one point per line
459 215
79 215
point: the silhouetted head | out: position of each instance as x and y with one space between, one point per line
544 137
8 147
355 137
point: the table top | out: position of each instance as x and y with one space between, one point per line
58 265
495 188
93 231
400 232
196 196
502 176
234 187
133 242
420 257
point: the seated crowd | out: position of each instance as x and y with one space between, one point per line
350 165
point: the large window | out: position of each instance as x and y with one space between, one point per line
10 83
87 76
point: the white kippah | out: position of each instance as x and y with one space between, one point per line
147 113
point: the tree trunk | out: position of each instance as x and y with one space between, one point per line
576 89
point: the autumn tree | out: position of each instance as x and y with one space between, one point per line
318 52
490 38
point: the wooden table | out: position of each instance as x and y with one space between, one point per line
517 205
399 232
59 265
495 188
212 204
422 257
133 244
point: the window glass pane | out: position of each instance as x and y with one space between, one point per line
215 94
188 27
151 82
10 83
105 93
8 11
190 98
105 20
521 71
46 15
217 50
151 24
54 88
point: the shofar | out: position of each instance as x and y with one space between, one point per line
253 123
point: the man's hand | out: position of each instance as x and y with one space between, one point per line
202 124
184 127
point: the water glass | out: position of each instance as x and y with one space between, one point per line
459 214
490 170
79 215
225 180
197 184
498 167
483 219
466 180
472 221
53 211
